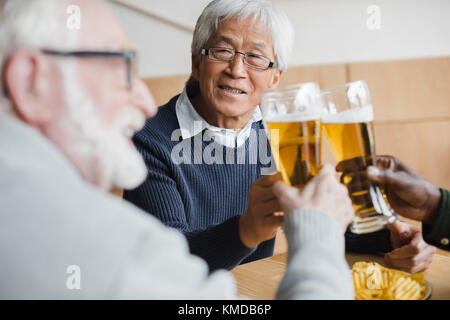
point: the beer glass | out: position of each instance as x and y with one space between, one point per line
348 126
291 117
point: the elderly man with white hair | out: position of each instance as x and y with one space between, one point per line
206 149
70 104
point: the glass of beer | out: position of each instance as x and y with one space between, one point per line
291 117
348 126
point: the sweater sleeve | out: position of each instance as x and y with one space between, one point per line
219 245
438 234
316 266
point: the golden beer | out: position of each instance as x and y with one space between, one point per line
352 145
349 132
350 140
296 148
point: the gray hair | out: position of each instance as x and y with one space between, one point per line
33 24
263 11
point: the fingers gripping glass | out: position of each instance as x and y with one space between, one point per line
253 60
129 57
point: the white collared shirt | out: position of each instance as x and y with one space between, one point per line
191 124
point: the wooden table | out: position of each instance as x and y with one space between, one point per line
260 279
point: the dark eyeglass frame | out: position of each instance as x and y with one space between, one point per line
208 53
130 57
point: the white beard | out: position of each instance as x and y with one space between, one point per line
107 150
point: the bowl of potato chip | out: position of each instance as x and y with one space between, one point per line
372 281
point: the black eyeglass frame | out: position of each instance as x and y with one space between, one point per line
206 52
129 56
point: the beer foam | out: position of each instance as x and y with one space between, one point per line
292 117
356 115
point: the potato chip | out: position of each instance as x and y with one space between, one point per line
375 282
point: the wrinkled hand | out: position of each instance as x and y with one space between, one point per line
323 192
409 194
411 253
260 222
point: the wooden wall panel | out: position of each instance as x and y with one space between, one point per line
327 76
409 89
422 145
163 89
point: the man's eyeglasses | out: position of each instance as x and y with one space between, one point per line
253 60
129 57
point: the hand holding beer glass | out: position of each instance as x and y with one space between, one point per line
347 122
292 118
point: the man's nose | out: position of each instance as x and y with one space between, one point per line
238 68
143 99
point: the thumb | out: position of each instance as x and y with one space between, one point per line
280 188
402 231
398 227
327 169
288 197
384 176
399 234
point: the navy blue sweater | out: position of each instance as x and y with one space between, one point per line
205 201
202 200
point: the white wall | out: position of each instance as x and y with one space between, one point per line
327 31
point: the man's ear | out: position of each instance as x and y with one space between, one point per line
196 59
276 77
26 77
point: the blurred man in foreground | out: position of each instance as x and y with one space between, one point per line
70 105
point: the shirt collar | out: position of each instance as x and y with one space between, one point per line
191 123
